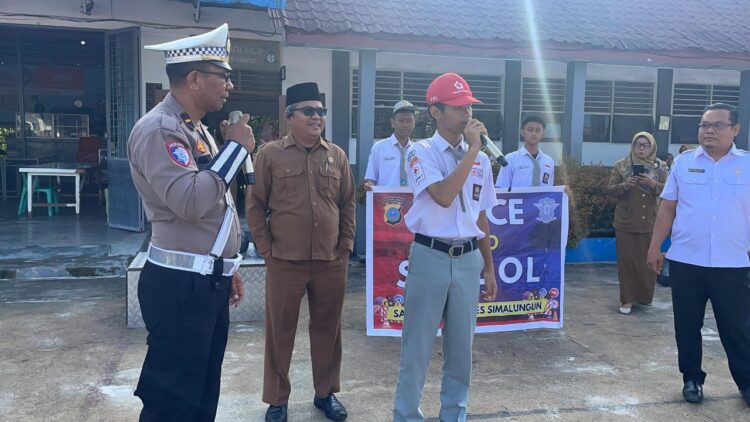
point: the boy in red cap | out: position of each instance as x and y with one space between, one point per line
453 188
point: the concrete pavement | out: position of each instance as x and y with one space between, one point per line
67 356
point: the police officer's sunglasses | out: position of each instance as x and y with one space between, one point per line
224 75
310 111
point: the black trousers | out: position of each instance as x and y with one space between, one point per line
729 292
187 318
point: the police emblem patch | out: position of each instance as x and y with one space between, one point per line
546 208
178 153
392 214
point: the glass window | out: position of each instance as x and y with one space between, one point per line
625 127
596 127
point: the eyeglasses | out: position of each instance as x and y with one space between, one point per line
640 145
717 126
310 111
224 75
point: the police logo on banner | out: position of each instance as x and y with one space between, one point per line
546 208
392 214
178 153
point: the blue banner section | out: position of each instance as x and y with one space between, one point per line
271 4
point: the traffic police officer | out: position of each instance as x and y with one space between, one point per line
706 204
453 190
386 166
190 277
529 166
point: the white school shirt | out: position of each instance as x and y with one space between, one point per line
520 170
384 164
430 161
712 225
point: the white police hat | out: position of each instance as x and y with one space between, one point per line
212 47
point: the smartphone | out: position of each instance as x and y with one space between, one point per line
638 169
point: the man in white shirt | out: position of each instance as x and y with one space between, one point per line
529 166
706 205
386 166
452 184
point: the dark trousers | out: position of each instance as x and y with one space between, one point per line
287 282
729 292
187 318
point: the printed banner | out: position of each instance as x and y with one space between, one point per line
529 230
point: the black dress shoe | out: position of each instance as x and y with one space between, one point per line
276 413
746 395
332 407
692 392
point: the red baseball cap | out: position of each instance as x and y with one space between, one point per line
450 89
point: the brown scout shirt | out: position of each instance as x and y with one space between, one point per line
184 203
636 207
309 199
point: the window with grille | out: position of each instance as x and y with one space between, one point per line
688 103
614 111
393 86
546 98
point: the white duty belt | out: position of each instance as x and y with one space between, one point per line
202 264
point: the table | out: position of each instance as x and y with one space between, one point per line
56 170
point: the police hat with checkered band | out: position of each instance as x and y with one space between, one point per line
212 47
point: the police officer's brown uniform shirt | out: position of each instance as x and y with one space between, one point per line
184 203
309 198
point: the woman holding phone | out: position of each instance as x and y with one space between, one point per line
636 181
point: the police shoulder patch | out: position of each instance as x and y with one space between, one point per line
178 153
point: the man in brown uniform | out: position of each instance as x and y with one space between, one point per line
305 186
190 277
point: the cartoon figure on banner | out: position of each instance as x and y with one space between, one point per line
380 311
393 214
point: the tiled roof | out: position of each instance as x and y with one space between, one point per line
715 26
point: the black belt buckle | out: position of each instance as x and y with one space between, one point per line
452 249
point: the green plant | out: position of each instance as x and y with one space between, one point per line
590 209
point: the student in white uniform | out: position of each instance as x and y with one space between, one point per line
529 166
706 205
386 166
452 184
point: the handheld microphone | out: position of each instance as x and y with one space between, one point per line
495 153
247 167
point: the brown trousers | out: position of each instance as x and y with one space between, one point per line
637 281
286 284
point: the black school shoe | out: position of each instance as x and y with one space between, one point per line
692 392
332 407
276 413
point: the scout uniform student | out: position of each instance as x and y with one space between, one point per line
706 205
386 165
305 186
191 276
529 166
452 184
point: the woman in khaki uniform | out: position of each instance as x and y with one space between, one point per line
636 181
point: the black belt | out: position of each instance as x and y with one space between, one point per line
454 251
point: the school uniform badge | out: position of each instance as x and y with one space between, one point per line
393 214
178 153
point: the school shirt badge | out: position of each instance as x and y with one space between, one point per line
546 208
393 214
178 153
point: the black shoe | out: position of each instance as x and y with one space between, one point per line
332 407
663 280
692 392
746 395
276 413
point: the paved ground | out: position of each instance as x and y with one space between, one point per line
67 356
